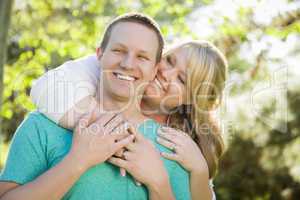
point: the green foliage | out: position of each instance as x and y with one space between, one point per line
262 161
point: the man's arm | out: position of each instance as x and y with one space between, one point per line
46 185
34 180
25 174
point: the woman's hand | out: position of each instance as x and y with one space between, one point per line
186 151
95 142
188 154
143 161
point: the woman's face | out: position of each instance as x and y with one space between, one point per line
168 90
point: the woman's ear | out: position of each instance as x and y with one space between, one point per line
99 52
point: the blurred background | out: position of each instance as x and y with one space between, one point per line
260 116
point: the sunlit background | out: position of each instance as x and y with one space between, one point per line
261 39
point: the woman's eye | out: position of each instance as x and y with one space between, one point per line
169 60
181 80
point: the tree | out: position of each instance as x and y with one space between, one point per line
5 13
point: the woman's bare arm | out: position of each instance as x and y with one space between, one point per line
70 119
64 94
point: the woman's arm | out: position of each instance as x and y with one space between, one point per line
188 154
65 94
200 187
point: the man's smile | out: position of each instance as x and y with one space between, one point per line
124 77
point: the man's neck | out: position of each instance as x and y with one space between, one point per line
154 113
130 108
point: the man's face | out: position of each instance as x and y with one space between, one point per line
128 61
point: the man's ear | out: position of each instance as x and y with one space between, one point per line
99 52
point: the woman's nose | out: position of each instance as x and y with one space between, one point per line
168 74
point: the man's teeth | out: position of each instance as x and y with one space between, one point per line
127 78
158 83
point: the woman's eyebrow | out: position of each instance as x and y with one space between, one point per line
183 75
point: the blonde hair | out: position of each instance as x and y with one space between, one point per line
206 76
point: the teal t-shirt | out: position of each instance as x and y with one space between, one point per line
40 144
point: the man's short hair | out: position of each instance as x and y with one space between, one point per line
136 18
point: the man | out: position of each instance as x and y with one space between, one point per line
47 162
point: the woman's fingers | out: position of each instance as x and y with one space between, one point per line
119 154
86 120
114 123
127 155
105 118
131 146
166 143
118 162
170 156
122 171
172 137
123 142
120 132
132 129
172 131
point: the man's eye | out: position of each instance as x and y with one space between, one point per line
143 57
117 50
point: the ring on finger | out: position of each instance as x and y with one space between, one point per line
174 146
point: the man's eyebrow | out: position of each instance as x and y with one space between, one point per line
144 51
120 44
124 46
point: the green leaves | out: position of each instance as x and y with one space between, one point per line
45 33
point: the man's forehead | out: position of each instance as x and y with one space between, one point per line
129 34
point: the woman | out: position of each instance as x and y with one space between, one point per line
187 88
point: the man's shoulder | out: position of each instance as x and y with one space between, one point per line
38 121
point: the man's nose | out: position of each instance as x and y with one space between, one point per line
127 62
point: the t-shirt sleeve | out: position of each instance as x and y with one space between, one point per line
60 89
26 158
180 183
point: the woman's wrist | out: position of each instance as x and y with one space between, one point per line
201 175
200 170
78 165
161 189
159 182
